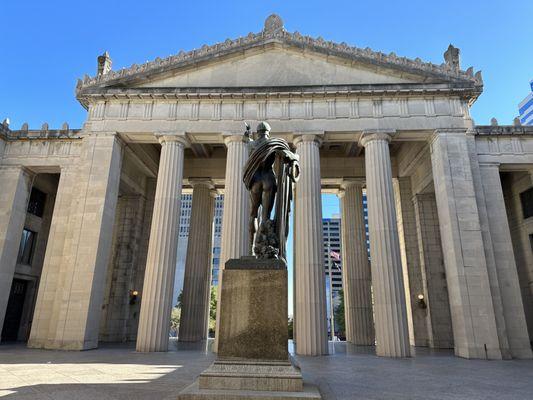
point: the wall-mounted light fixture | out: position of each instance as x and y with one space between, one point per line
421 301
133 297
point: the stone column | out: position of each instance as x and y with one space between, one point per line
235 217
392 335
471 303
513 309
356 276
16 186
310 285
197 279
156 297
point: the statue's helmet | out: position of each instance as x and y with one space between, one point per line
263 127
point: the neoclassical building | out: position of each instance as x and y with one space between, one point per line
89 218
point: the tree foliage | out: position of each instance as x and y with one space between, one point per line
175 316
340 323
213 311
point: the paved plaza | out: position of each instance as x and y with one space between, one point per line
350 372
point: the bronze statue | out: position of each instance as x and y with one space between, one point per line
269 175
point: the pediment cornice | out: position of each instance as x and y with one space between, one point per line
274 33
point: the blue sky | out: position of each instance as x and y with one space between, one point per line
47 45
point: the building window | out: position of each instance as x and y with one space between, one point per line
36 203
526 198
27 244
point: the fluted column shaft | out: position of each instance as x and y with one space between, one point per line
392 336
234 242
156 300
310 286
197 279
356 276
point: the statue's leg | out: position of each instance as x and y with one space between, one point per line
255 202
269 195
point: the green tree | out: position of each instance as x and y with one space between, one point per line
291 328
175 316
340 323
213 311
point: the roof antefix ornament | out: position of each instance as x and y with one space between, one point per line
274 31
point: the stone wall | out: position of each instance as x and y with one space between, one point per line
410 261
123 268
47 183
515 183
435 291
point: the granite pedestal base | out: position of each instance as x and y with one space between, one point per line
253 360
193 392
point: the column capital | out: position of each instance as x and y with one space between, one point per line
176 137
201 181
349 182
230 137
306 137
376 134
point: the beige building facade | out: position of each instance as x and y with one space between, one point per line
450 204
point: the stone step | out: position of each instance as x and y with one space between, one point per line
193 392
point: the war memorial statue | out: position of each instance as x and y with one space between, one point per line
269 175
253 361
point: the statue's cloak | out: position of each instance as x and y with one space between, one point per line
260 155
287 170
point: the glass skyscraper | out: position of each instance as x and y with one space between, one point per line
525 108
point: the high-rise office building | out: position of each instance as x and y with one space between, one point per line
525 108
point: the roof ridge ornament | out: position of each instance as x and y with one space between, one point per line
104 64
273 24
451 57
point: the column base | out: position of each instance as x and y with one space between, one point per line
73 345
193 392
478 353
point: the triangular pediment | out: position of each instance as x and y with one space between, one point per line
277 67
277 58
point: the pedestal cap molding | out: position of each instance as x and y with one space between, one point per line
488 164
230 137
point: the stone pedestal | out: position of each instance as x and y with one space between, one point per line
253 361
253 310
